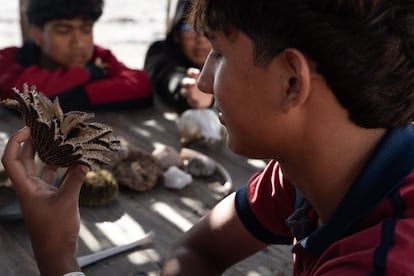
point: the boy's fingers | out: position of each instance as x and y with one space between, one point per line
27 157
188 81
73 179
27 151
11 159
193 72
186 84
48 174
183 92
12 150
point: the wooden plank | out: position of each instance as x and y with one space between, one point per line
14 259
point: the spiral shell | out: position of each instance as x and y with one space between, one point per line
62 139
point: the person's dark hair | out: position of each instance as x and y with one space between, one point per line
39 12
180 15
363 48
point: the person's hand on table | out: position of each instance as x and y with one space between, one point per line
189 90
51 214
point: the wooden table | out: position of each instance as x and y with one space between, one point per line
168 213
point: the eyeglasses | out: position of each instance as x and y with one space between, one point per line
188 32
187 28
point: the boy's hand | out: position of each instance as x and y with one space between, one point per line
51 214
189 90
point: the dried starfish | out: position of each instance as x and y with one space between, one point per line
62 139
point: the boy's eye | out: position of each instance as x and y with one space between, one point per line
62 30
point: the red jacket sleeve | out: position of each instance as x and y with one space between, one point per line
51 83
121 87
121 84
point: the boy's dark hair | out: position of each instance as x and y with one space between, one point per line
363 48
39 12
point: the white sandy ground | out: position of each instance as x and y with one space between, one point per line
127 27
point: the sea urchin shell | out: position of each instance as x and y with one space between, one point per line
62 139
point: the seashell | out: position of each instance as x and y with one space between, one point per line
201 165
175 178
199 124
139 171
63 139
99 188
188 154
168 156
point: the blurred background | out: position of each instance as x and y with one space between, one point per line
127 27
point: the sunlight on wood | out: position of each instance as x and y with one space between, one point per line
122 231
194 204
253 273
260 164
158 146
154 124
138 258
171 116
4 135
262 271
140 131
172 216
87 237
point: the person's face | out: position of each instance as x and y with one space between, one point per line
65 42
194 46
247 96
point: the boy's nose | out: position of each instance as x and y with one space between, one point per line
78 40
205 81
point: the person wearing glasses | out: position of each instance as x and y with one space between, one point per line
174 64
322 89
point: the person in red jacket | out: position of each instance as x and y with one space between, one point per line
324 90
61 60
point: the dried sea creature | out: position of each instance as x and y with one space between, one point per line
140 171
62 139
99 188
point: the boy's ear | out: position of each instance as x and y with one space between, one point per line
36 35
298 83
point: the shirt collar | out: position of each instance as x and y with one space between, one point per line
391 163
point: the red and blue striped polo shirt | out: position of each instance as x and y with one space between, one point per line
370 233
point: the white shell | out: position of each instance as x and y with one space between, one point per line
199 124
201 165
167 156
175 178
